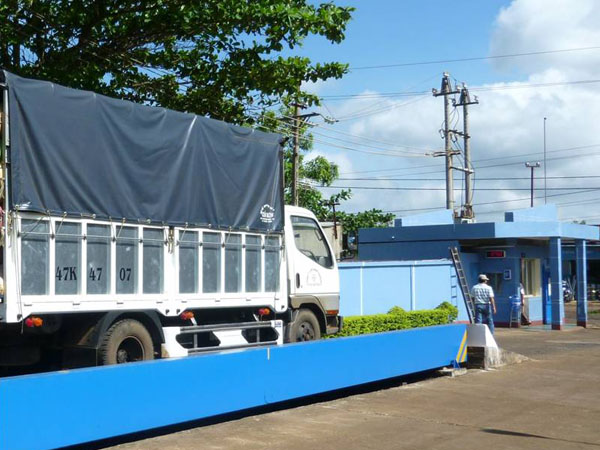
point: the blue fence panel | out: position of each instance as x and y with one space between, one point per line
64 408
373 287
385 287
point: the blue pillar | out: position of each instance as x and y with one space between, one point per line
546 304
582 313
558 306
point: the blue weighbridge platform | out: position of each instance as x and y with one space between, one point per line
58 409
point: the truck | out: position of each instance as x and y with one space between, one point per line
132 232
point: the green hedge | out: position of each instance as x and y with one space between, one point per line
398 319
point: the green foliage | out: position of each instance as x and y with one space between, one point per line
450 309
398 319
372 218
396 310
317 171
222 58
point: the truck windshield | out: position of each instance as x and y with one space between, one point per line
310 241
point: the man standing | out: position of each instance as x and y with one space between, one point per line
485 306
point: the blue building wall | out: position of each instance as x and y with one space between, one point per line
532 233
509 270
373 287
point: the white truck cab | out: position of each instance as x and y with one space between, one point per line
313 278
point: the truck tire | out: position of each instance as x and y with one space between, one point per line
126 341
304 328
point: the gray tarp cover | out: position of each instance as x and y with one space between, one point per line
81 153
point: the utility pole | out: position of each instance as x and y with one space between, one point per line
446 91
545 191
333 204
295 159
300 120
532 166
465 101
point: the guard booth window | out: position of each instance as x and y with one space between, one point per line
531 276
310 241
496 282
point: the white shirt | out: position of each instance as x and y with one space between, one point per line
482 293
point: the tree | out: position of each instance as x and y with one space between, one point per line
373 218
221 58
227 59
316 172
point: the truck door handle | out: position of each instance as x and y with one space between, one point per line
297 280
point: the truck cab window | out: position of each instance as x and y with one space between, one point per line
310 241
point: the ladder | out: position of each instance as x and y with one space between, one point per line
462 279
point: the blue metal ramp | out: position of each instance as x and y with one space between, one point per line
57 409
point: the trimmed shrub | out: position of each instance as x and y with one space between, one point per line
398 319
396 310
452 310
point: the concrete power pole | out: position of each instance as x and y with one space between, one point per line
446 91
532 166
295 159
465 101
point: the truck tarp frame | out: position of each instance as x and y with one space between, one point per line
84 154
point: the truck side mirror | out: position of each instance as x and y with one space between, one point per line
352 241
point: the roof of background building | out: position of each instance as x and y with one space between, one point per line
540 222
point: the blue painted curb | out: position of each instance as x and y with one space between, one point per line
57 409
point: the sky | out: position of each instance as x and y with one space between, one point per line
384 135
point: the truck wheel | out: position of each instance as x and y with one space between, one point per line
305 327
126 341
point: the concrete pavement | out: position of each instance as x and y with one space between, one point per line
549 401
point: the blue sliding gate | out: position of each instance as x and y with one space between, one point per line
57 409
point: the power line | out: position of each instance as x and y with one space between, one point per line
476 89
478 179
478 160
283 125
387 188
475 58
495 201
490 166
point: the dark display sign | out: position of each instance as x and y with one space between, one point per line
495 254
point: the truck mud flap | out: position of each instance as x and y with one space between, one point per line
64 408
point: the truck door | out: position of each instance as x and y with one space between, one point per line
313 269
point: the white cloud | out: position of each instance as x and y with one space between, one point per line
538 25
508 122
